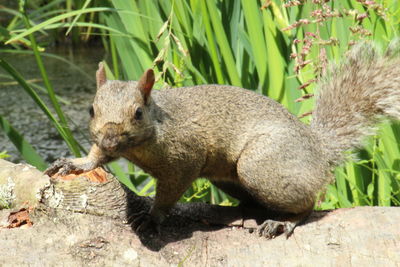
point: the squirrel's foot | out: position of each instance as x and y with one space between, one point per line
61 166
271 228
145 222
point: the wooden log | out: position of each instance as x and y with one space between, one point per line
80 222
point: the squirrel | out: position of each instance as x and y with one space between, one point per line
246 144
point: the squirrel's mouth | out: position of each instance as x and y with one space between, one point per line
109 149
117 145
111 144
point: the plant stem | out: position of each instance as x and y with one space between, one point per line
71 142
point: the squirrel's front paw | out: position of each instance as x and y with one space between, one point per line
144 222
62 166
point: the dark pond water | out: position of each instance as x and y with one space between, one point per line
73 85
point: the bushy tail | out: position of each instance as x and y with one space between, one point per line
354 95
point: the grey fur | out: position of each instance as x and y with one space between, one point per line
354 96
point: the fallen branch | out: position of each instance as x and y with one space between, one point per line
81 221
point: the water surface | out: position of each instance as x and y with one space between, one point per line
75 86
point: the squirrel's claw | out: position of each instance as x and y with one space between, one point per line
144 221
61 166
271 228
55 167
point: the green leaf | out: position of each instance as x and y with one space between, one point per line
119 172
87 2
222 40
370 190
256 36
28 153
56 19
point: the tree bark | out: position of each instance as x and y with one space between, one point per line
83 223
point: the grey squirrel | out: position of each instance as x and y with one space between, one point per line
246 144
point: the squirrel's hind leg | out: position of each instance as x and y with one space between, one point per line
279 180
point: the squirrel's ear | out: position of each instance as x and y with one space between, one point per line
146 83
101 75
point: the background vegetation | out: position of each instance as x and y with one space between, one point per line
275 48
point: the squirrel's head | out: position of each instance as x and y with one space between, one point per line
120 115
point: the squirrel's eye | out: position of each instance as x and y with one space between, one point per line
91 111
138 114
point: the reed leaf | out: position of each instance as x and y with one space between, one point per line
55 19
27 152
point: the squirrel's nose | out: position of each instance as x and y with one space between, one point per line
109 141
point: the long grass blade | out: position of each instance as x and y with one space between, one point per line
54 20
87 2
72 144
28 153
224 47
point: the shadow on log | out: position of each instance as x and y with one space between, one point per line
83 222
